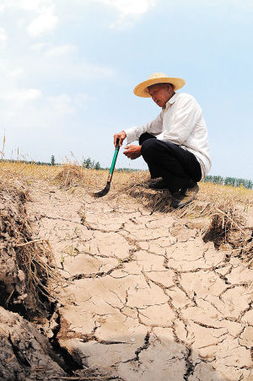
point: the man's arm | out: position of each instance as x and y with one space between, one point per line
155 128
133 151
186 114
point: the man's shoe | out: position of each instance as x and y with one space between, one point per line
184 196
158 185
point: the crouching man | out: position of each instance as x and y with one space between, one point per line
179 155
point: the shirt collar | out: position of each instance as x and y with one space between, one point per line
171 101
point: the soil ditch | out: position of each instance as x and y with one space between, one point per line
29 321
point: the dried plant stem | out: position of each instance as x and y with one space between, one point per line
29 243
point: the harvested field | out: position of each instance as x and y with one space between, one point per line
134 290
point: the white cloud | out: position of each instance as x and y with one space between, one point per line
61 104
30 118
15 73
39 15
21 95
35 126
128 10
32 5
3 37
50 50
40 47
60 50
66 104
62 62
95 71
44 23
10 73
29 5
130 7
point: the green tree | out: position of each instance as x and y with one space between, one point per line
88 163
230 181
249 184
97 165
52 160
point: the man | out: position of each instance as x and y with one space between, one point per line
180 153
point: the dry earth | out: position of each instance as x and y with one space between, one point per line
143 297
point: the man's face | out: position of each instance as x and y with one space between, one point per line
161 93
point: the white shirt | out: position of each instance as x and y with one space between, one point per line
181 122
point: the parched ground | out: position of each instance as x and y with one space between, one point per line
144 297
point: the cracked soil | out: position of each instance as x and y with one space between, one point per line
144 298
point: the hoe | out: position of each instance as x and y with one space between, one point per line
106 189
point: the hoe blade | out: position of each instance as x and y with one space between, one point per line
103 192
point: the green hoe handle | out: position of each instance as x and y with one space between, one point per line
114 159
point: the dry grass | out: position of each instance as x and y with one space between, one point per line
123 182
70 176
220 193
131 183
66 175
29 172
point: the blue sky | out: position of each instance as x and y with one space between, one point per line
68 69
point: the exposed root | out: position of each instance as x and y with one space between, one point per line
26 264
227 227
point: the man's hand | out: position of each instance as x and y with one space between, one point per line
119 138
132 152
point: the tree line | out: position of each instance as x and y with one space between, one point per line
91 164
233 181
87 163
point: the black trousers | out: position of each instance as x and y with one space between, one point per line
178 167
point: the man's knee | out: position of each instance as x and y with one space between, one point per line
145 136
149 147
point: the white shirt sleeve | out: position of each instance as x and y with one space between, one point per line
155 128
179 124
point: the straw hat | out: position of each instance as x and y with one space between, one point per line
141 90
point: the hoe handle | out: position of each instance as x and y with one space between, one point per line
114 159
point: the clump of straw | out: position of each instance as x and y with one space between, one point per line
70 176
